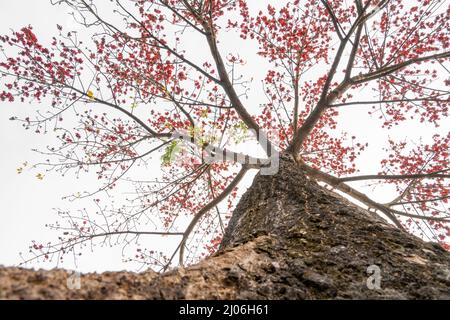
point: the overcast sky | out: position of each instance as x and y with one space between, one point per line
26 203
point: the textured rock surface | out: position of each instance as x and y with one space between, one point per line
289 238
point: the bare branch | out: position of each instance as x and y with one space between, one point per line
397 176
208 207
227 85
334 19
434 98
416 216
418 201
333 181
391 69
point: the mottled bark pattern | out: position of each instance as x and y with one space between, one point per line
276 204
326 243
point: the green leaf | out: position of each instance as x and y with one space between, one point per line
170 153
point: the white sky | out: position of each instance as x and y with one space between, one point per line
26 203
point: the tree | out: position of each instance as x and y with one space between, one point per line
137 89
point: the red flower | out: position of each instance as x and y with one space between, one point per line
29 35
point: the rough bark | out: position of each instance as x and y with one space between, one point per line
289 238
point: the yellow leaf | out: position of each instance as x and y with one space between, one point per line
204 113
166 92
40 176
19 170
168 125
90 94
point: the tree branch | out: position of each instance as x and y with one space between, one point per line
388 101
324 103
226 84
333 181
416 216
418 201
397 176
327 98
208 207
149 33
391 69
334 19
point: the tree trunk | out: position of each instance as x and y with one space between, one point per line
289 238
